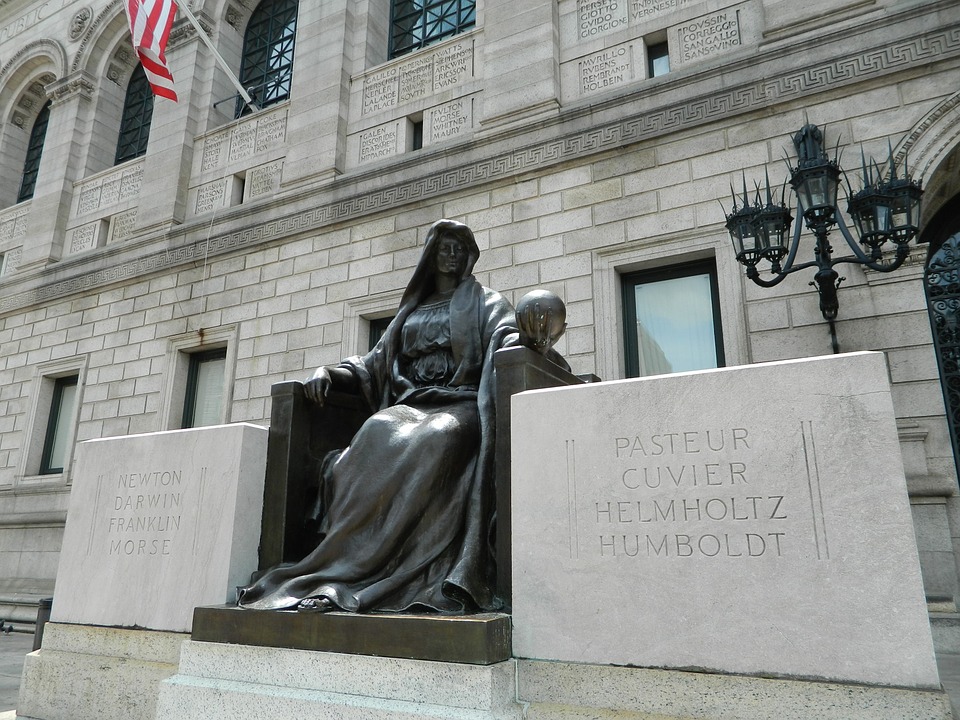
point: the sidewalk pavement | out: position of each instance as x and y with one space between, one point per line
14 646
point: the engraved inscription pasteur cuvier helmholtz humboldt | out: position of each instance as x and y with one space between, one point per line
688 493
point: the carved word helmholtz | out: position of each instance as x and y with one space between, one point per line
146 512
735 520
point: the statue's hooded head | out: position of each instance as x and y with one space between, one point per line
421 284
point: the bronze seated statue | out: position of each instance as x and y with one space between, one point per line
388 475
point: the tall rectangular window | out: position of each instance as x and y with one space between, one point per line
59 423
672 320
203 403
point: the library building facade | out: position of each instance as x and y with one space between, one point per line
163 263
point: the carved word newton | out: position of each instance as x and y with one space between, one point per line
733 545
598 16
717 509
160 478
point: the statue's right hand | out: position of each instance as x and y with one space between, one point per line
317 387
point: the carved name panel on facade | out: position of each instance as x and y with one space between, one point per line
708 35
122 225
599 17
417 77
244 141
108 189
622 29
450 120
381 142
13 223
264 180
84 238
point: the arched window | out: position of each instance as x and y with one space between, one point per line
31 164
136 118
417 23
267 65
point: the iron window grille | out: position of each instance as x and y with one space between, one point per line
266 68
31 164
136 118
414 24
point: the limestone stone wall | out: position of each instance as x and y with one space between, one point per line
281 235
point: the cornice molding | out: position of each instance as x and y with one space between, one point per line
637 127
78 83
46 46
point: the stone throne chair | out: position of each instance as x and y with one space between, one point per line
301 433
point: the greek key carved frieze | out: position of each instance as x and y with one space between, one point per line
630 129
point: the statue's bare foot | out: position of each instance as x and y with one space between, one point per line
315 605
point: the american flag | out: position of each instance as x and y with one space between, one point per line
150 22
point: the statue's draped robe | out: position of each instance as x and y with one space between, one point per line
409 506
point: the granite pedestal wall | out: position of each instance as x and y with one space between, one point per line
158 524
217 681
674 523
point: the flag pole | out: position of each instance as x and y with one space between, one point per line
182 5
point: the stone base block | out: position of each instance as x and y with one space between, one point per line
83 671
216 681
478 639
568 691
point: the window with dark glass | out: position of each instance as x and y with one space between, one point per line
377 328
266 68
203 402
31 164
59 423
417 23
672 320
658 60
136 118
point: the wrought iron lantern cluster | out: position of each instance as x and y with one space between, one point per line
886 210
